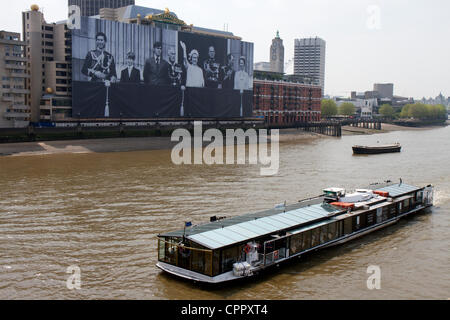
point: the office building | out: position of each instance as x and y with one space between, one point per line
309 60
49 63
92 7
385 90
14 112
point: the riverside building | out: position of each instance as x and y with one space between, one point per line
14 111
284 102
49 62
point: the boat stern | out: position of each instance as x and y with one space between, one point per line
428 196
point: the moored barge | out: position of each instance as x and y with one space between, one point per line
378 149
241 247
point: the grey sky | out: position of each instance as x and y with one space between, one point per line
409 46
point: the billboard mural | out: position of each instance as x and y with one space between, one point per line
139 71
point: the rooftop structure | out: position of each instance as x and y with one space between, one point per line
92 7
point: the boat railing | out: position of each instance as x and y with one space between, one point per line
273 257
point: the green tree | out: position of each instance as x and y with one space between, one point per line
419 111
347 109
442 112
387 111
422 111
329 108
405 111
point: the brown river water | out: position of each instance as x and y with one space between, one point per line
103 211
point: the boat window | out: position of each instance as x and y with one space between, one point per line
370 219
385 213
229 257
315 237
348 226
198 261
296 243
363 220
332 231
162 250
216 263
324 234
168 252
393 211
339 228
406 205
208 264
379 215
419 197
306 240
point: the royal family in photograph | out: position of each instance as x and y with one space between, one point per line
113 54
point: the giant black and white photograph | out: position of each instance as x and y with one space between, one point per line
139 71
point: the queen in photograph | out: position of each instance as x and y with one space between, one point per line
242 80
194 78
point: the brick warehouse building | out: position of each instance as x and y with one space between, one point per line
284 103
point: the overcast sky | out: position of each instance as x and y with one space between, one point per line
405 42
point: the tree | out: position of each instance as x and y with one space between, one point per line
347 109
387 111
329 108
405 111
442 112
422 111
419 111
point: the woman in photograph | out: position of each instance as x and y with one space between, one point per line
194 77
242 80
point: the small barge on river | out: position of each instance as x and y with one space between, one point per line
241 247
378 149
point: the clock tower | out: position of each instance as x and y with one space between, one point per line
277 55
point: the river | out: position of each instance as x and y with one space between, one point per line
103 211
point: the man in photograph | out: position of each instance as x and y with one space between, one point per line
99 64
228 73
242 80
212 69
156 68
130 74
175 73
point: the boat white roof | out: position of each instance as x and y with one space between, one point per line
399 189
249 230
245 228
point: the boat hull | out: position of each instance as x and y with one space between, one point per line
376 150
